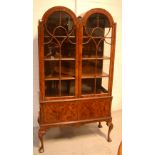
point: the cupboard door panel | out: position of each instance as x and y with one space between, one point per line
50 113
89 109
94 108
59 112
68 111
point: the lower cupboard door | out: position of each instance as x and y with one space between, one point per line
94 108
59 112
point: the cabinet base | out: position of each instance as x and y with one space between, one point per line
44 127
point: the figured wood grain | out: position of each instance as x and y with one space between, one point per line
59 112
75 110
94 108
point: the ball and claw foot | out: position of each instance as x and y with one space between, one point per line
110 125
99 125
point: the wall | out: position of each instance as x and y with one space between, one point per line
113 6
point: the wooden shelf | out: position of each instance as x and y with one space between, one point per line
56 59
103 74
87 76
49 59
60 36
56 77
95 37
67 78
67 59
51 78
98 58
84 58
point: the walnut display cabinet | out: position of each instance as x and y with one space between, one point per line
76 62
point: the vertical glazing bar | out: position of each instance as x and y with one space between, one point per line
95 70
103 47
80 48
104 22
60 59
97 46
77 60
60 19
60 72
98 20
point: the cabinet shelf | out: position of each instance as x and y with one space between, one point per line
57 78
56 59
61 36
87 76
51 78
98 58
102 75
84 58
96 37
67 78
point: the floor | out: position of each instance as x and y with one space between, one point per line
85 140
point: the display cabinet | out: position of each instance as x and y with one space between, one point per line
76 61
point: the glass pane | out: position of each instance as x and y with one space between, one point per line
102 85
51 49
97 37
59 18
100 51
89 48
97 32
59 36
67 68
68 48
53 21
97 20
52 69
103 68
66 21
108 32
67 87
59 55
104 49
88 86
51 88
96 54
88 68
107 47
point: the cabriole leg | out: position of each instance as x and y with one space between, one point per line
41 133
110 125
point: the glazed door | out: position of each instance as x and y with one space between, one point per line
59 58
96 55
